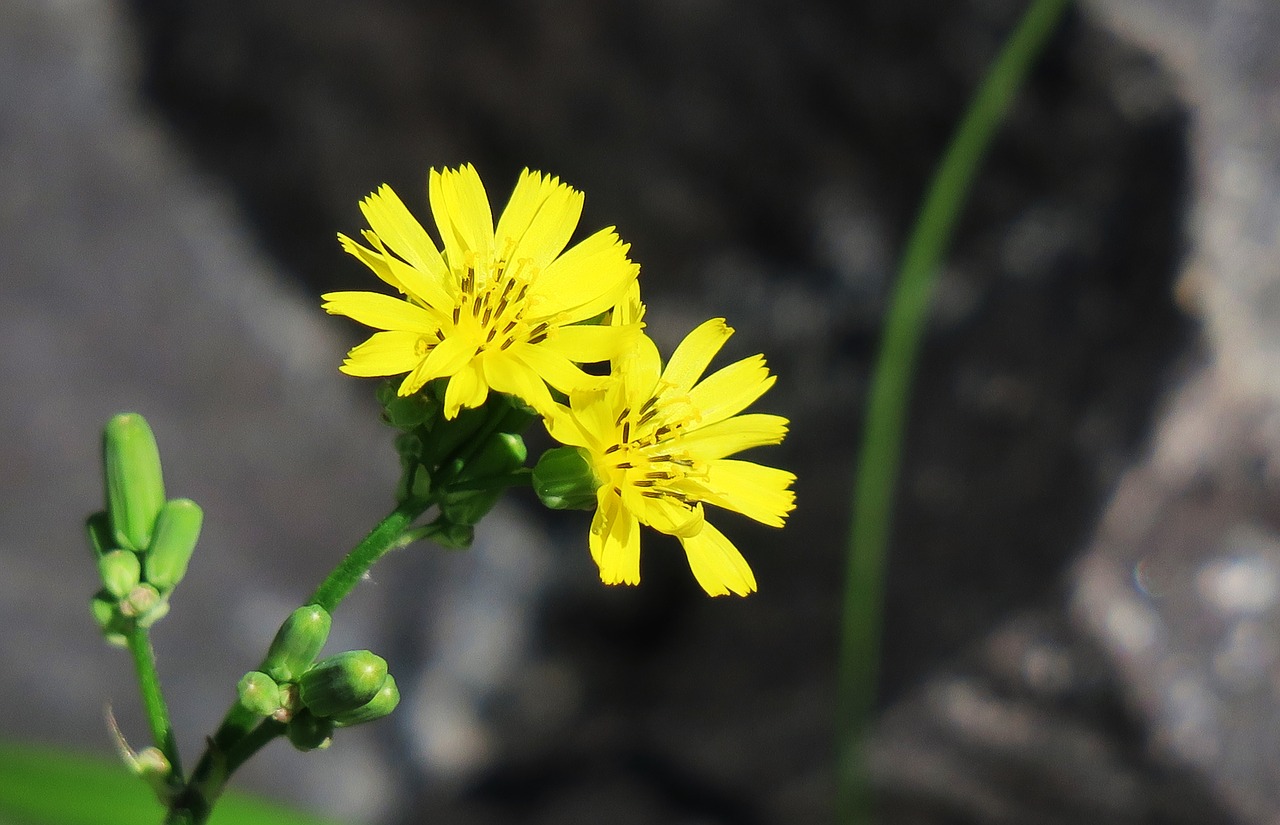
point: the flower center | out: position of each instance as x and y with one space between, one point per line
648 457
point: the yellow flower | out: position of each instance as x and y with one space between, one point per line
658 440
498 309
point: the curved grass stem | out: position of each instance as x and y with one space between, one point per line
882 434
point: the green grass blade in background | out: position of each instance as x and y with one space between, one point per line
882 434
47 786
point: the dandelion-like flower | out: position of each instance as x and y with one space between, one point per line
499 308
658 442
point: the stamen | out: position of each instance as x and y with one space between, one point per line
644 483
488 313
457 315
626 411
506 343
492 334
613 449
648 405
625 465
626 431
647 416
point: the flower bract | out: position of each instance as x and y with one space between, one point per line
493 308
659 442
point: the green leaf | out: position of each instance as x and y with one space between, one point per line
46 786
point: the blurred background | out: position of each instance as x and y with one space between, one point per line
1084 583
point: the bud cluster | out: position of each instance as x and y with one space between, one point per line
463 463
142 541
313 698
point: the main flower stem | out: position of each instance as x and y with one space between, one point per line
882 433
144 661
380 541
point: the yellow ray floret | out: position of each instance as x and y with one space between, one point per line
492 309
658 441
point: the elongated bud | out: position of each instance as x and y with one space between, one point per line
565 480
135 484
342 683
174 540
258 693
308 732
98 528
120 571
447 435
297 642
152 766
383 702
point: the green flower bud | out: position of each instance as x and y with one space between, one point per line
107 615
259 694
342 683
173 542
98 528
297 642
565 480
449 535
120 571
383 702
134 482
308 732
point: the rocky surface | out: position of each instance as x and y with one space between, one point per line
172 176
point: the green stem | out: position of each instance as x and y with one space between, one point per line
144 661
882 435
381 540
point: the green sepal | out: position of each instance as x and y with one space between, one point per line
419 488
565 480
308 732
144 604
405 412
342 683
258 693
98 528
174 540
449 535
297 642
383 702
501 454
134 481
449 434
120 571
107 614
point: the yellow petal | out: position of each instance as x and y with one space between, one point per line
695 352
385 353
461 209
639 369
669 516
427 288
563 427
595 418
467 388
371 259
589 278
449 356
629 310
717 564
758 492
615 542
729 391
555 369
380 311
395 225
506 373
732 435
587 343
539 219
